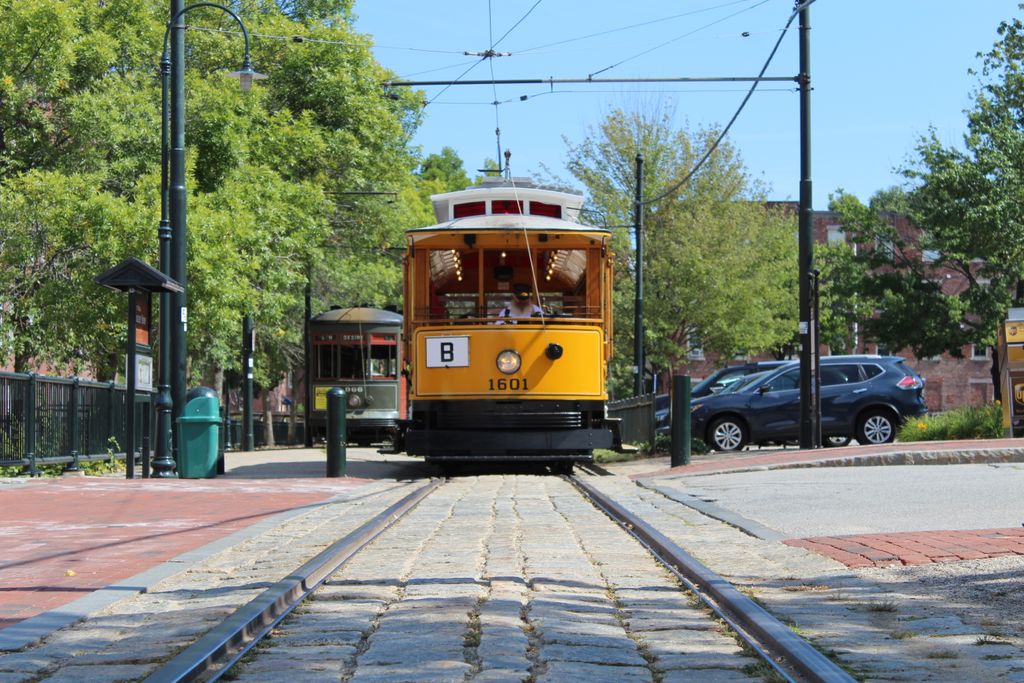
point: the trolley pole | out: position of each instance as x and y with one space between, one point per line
810 434
638 309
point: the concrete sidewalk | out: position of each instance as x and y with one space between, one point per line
891 518
910 453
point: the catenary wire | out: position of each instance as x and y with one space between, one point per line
725 131
678 38
631 26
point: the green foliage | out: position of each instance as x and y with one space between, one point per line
270 174
889 277
966 200
842 305
663 444
709 245
971 422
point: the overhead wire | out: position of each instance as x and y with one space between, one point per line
678 38
631 26
711 149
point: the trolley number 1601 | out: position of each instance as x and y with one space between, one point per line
508 384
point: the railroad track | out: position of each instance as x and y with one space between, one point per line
547 565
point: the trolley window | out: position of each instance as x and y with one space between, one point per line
558 276
383 356
349 356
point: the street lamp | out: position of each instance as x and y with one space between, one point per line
173 227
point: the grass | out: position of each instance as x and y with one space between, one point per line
883 606
989 640
903 635
602 455
971 422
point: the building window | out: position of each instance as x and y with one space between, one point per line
696 350
979 352
836 234
884 244
930 255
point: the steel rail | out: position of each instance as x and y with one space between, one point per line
228 642
778 645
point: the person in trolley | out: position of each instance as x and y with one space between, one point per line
520 305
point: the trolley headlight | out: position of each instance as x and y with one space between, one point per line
509 361
355 401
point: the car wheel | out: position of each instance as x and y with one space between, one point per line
876 426
727 434
837 441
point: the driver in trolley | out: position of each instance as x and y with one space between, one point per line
520 305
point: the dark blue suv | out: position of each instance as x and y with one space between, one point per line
862 397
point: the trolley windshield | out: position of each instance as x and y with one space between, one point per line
500 277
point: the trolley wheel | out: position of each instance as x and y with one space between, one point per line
563 468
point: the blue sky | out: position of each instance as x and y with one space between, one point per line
883 71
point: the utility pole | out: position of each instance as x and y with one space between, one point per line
810 407
179 230
248 348
638 268
307 353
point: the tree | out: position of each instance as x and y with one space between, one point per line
967 205
842 305
720 264
271 174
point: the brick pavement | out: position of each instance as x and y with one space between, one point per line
911 548
63 539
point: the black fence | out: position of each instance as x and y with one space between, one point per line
284 433
56 420
637 418
51 420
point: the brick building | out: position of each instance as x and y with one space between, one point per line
949 382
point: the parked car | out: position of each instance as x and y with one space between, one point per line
862 397
663 404
723 377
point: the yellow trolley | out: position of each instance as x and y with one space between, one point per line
493 376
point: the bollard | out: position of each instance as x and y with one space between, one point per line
30 424
75 424
336 432
681 436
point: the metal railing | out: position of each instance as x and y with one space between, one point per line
55 420
637 418
281 427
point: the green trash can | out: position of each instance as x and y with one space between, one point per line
198 435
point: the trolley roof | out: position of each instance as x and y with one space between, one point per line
485 207
359 314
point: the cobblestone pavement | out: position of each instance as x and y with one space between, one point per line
881 623
501 578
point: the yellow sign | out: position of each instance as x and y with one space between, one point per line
1014 332
1018 393
1015 354
320 397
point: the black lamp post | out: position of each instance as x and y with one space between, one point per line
173 224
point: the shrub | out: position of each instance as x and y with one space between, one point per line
971 422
